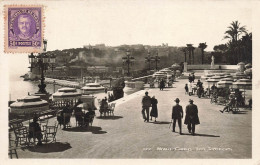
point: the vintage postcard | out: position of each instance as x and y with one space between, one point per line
138 82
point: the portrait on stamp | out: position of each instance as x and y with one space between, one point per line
24 29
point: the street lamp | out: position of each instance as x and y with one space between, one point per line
43 61
128 60
156 59
149 59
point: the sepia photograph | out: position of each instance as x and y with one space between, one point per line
139 80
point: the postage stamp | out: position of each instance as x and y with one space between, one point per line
23 29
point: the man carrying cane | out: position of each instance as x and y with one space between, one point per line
177 114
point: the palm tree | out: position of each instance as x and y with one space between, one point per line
233 33
202 46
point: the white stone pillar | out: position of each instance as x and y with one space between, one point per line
185 66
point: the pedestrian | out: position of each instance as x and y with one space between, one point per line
154 111
190 78
186 89
193 77
190 88
162 84
250 103
146 103
191 118
177 114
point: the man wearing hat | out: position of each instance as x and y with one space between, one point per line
177 114
146 103
191 118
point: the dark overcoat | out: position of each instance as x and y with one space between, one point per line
191 114
177 112
154 111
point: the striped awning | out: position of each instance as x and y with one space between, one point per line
248 71
243 84
225 83
29 104
66 94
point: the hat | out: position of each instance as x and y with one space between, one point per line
177 100
191 101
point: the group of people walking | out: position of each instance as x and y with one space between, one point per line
191 118
148 102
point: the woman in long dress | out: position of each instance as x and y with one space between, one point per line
154 111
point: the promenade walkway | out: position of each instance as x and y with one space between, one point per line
126 135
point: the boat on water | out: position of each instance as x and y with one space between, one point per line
91 88
29 104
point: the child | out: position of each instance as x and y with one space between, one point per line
186 89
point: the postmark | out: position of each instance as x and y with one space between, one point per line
23 29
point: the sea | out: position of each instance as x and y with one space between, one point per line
18 66
18 88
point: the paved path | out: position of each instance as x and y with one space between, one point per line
127 136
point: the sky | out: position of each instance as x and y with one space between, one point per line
72 25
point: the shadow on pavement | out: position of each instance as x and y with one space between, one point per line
109 117
161 122
198 134
240 112
93 129
50 147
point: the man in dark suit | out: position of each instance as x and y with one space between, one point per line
191 118
146 103
177 114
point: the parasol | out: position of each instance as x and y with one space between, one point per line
212 81
243 84
248 72
66 94
225 83
29 104
239 75
248 66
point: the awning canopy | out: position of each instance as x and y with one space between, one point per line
66 94
29 104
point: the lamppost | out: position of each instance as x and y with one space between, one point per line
156 59
128 60
43 61
149 59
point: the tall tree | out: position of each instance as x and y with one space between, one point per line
190 49
233 33
202 46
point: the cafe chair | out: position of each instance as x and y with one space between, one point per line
50 132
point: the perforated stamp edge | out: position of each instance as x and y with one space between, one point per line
23 49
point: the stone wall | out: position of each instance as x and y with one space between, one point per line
202 67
